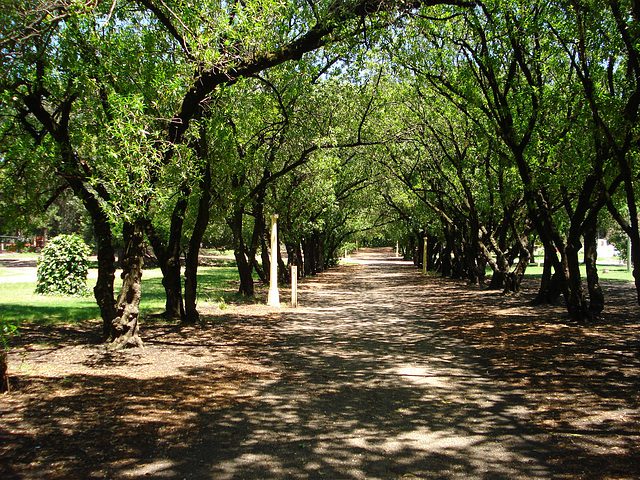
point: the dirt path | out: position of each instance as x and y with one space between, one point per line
377 376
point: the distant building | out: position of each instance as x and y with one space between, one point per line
606 250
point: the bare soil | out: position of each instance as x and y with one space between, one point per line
383 373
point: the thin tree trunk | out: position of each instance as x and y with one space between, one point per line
596 295
513 280
125 327
103 290
265 270
169 258
283 271
193 253
550 289
239 251
4 375
309 253
577 304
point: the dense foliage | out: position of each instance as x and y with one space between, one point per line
488 127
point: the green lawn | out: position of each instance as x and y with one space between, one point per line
605 272
19 303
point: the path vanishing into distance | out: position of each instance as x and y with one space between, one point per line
367 380
373 388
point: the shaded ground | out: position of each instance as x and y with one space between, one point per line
383 374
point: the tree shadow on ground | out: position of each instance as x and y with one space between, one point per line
378 376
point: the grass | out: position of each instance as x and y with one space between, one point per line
19 303
617 273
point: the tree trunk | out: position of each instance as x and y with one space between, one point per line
309 254
410 250
576 302
125 328
500 266
103 290
513 280
419 257
550 283
193 253
283 272
264 255
596 295
239 251
320 253
446 259
169 258
171 281
258 237
4 375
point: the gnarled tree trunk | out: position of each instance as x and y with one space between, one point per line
125 327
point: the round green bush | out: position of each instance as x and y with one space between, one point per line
63 266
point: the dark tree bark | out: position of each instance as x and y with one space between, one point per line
550 284
169 258
193 253
283 272
240 253
513 280
75 172
4 375
294 257
125 327
103 290
596 295
265 269
576 302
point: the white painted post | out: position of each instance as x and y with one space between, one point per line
628 254
424 256
274 297
397 249
294 286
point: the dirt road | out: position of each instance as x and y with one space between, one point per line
369 380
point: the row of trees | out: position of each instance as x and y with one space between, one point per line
525 122
484 125
161 117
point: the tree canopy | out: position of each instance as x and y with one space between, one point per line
487 127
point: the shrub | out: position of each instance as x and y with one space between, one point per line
63 266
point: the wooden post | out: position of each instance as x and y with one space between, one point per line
274 297
628 253
424 256
397 249
294 286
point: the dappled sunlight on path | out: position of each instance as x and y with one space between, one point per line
369 379
372 389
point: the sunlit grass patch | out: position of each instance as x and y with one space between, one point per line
19 303
605 272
